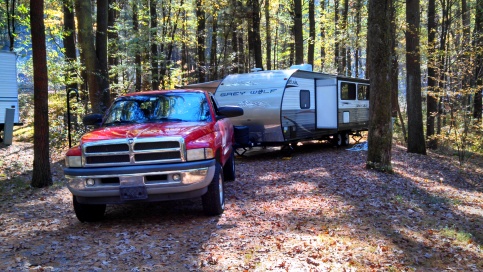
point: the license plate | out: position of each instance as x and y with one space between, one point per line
133 192
132 188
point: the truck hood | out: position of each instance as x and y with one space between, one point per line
188 130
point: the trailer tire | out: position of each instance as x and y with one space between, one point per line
229 168
88 212
343 139
214 200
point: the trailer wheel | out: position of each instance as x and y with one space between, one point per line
88 212
343 139
214 200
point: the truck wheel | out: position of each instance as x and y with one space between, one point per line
88 212
229 168
214 200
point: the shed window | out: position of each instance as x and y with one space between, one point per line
362 92
347 91
304 99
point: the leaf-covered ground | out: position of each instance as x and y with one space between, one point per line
319 210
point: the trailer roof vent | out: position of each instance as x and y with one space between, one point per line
304 67
256 69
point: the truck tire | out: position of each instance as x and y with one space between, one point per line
88 212
214 200
229 168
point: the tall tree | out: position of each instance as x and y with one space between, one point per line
42 176
69 43
112 37
98 95
137 54
10 9
311 42
345 50
268 34
379 57
478 74
431 98
101 48
322 36
154 45
254 41
298 32
416 141
200 35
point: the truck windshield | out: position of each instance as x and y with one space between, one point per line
187 107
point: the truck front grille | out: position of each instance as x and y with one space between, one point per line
133 152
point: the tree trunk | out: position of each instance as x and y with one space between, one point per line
322 37
394 65
298 32
358 32
137 54
101 51
268 34
69 45
416 141
86 41
345 69
10 10
42 176
478 74
338 66
154 45
379 47
200 34
254 41
112 37
431 98
311 43
214 49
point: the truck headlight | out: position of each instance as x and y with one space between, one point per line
73 161
199 154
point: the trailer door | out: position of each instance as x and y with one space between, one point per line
326 103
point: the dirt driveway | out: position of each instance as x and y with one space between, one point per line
319 210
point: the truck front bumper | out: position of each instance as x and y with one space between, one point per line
103 185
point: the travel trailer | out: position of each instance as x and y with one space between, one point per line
283 107
8 87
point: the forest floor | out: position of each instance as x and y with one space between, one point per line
319 210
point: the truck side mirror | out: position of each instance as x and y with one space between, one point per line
92 120
230 111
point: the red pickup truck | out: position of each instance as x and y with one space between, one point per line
153 146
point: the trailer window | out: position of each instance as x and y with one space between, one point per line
304 99
347 91
362 92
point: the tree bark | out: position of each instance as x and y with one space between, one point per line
311 43
431 97
254 41
69 44
10 10
298 32
214 49
478 74
101 50
200 34
42 176
137 54
378 45
416 141
112 38
154 45
322 37
268 34
86 41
